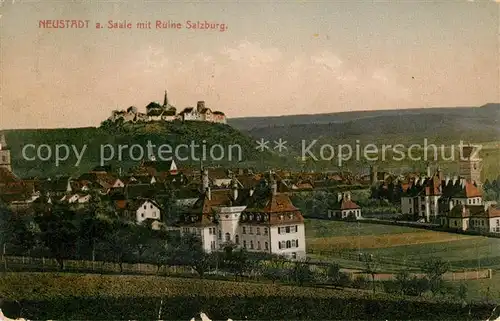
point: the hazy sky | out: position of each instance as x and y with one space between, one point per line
278 58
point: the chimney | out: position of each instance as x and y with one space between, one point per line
205 179
209 193
447 180
428 170
347 196
455 179
274 187
235 189
339 197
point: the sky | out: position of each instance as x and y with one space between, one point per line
275 58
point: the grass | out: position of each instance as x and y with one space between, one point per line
382 241
395 245
80 296
323 228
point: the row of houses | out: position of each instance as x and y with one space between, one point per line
167 112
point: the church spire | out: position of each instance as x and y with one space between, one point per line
165 100
3 143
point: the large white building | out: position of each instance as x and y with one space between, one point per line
260 220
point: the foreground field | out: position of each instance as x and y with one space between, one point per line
72 296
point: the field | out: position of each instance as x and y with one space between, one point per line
79 296
396 245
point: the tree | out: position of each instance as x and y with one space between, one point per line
370 267
117 246
462 292
93 230
274 269
302 273
333 274
59 234
236 260
434 270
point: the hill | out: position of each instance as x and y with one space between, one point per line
221 144
249 123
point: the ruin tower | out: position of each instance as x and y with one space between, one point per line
469 164
165 100
5 161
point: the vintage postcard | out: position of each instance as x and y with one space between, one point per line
249 160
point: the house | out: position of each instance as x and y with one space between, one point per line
344 208
138 210
202 113
479 218
260 220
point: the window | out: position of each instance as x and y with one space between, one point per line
237 239
258 245
296 228
151 207
266 245
228 237
455 223
220 235
245 244
154 214
279 245
296 243
250 232
144 206
251 245
288 244
498 222
294 255
265 231
244 230
293 243
258 230
4 159
212 245
283 244
409 201
142 214
287 229
279 230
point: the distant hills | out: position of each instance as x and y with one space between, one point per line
441 124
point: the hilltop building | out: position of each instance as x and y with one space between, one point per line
167 112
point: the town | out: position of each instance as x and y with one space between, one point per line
252 210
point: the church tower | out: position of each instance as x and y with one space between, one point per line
4 154
165 100
470 164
